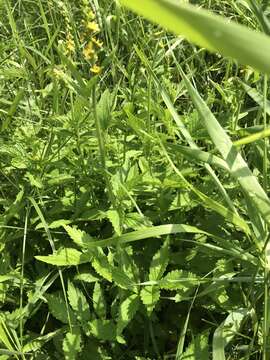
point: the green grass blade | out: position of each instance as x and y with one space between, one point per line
252 138
237 165
257 97
226 332
148 233
207 30
184 131
198 155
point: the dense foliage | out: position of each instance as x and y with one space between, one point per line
131 227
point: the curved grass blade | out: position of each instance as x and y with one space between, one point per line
230 216
183 129
252 138
155 231
147 233
237 165
257 97
199 155
215 33
226 332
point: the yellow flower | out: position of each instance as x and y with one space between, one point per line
97 42
90 14
70 44
95 69
92 26
89 51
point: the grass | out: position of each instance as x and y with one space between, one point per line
134 180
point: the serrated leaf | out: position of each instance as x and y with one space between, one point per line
59 309
103 329
78 236
34 181
150 296
136 221
86 277
122 280
127 264
101 265
78 302
159 262
65 257
39 341
93 351
72 344
197 349
59 223
127 311
99 302
180 280
114 218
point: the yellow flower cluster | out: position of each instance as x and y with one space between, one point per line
90 38
69 44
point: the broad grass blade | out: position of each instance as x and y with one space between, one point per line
215 33
147 233
226 332
237 165
198 155
257 97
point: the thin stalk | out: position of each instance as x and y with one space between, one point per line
22 273
266 324
265 150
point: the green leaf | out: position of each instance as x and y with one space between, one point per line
122 279
114 218
150 296
79 237
39 341
215 33
197 349
65 257
86 276
59 223
103 329
72 344
180 280
104 109
78 302
99 302
159 262
127 264
59 309
93 350
226 332
34 181
101 265
127 311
